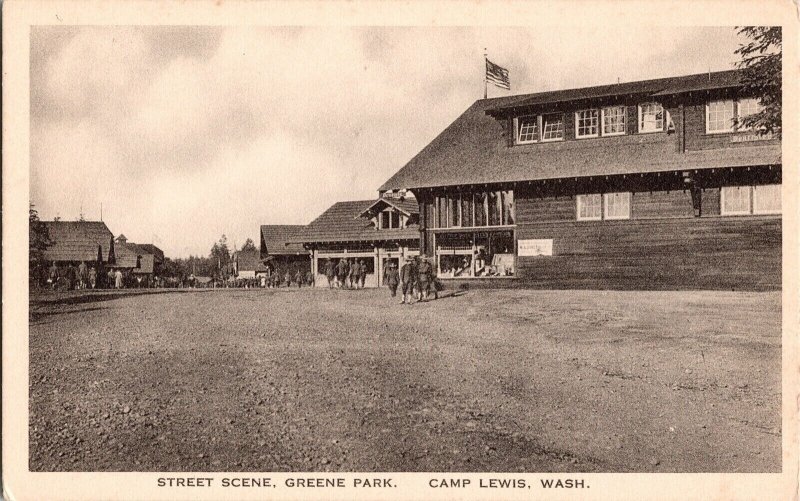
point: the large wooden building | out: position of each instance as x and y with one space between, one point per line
74 242
638 185
374 232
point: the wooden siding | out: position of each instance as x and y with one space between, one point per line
690 253
697 139
661 204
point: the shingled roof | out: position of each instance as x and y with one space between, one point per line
474 148
277 240
342 222
654 87
249 260
77 240
128 254
158 254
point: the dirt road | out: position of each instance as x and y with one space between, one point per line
318 380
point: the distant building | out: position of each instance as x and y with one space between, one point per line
280 251
77 241
248 264
638 185
373 231
136 259
158 257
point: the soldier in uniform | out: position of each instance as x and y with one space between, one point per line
298 277
391 277
330 272
408 278
424 279
362 277
342 270
355 274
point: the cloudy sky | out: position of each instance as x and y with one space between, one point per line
186 133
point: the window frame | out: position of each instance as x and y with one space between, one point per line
746 212
732 127
639 118
541 127
738 112
605 205
754 200
579 204
624 121
537 119
597 123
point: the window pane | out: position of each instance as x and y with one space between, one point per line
494 208
552 126
480 209
720 116
466 209
384 220
748 107
736 200
395 219
652 117
508 207
618 205
589 206
614 120
528 129
767 199
586 123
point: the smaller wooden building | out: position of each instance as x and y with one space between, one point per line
279 250
374 232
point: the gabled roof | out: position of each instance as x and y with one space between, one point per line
407 205
128 254
655 87
77 240
342 223
474 150
249 260
157 253
277 240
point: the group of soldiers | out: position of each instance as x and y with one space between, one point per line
287 278
416 278
83 277
347 273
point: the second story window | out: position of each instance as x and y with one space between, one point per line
527 129
719 116
614 121
552 127
651 117
390 220
586 123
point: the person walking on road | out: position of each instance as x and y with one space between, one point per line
408 278
392 278
83 275
362 276
330 272
298 277
342 270
355 273
424 279
92 277
118 279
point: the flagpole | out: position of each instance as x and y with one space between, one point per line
485 81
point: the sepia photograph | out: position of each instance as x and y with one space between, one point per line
317 250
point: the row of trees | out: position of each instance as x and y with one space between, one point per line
217 265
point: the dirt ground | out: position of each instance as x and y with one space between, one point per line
491 380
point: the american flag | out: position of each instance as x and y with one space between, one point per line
497 75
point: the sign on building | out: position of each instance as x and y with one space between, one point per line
541 247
